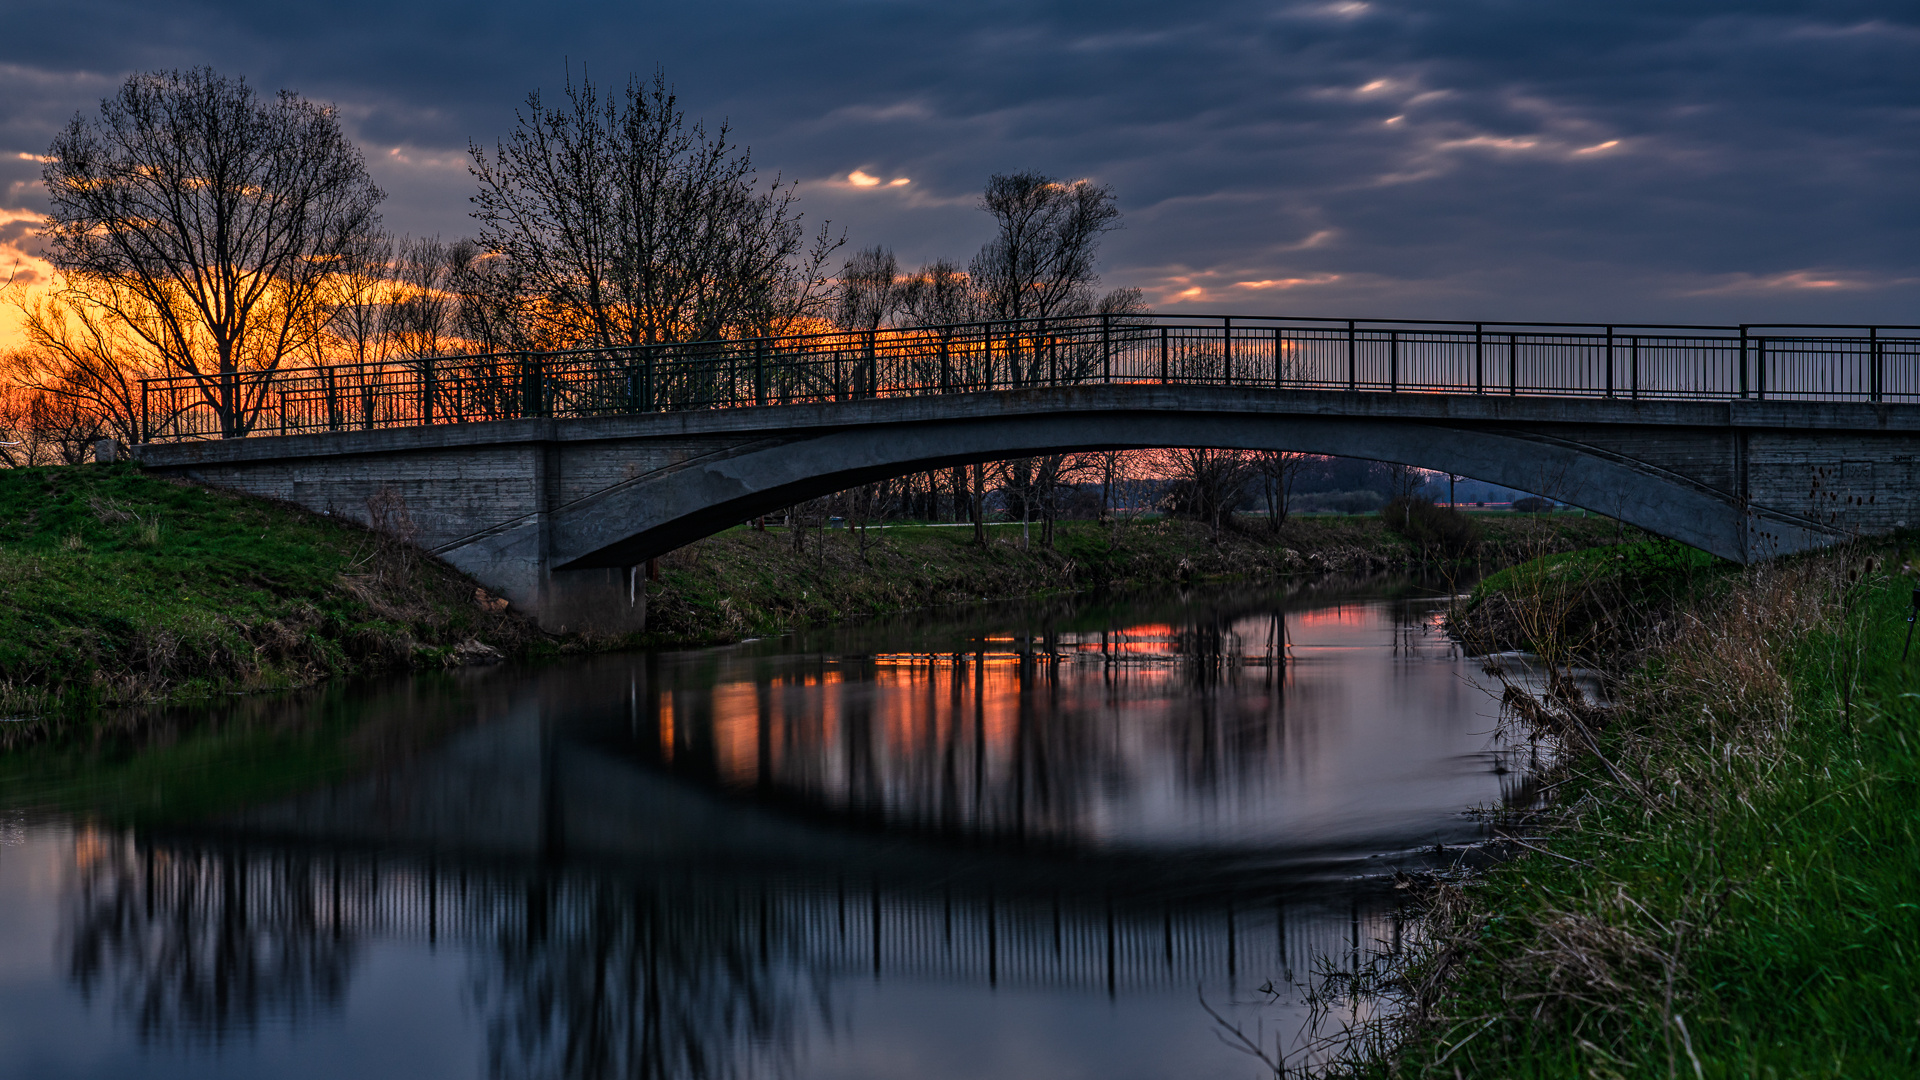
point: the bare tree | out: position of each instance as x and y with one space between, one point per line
424 304
487 292
81 355
868 291
1040 262
939 294
41 428
209 221
1277 471
625 226
1205 484
1403 481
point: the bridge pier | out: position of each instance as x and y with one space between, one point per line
480 497
518 565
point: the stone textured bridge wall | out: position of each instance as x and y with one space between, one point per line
555 514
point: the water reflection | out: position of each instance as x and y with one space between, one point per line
839 855
1225 721
669 973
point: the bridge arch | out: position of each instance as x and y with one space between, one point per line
653 514
553 513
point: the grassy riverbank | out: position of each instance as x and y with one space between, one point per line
120 589
1730 886
743 583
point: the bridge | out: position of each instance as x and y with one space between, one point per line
548 477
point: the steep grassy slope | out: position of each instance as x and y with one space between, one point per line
117 588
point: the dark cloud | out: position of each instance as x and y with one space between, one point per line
1498 159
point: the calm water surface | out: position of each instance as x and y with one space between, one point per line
1009 843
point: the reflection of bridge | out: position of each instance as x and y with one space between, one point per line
548 476
200 941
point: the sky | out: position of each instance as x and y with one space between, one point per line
1632 161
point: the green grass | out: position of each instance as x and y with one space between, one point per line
117 588
1768 861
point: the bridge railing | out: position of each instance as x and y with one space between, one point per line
1854 363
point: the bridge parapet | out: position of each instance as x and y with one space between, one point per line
1699 363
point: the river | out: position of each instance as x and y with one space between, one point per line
1014 842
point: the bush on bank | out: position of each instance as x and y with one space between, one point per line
1730 888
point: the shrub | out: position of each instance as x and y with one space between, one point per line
1423 523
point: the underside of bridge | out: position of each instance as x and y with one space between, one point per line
555 514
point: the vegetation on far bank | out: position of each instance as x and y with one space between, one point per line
748 583
1721 883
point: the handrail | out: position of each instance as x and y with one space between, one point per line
1248 352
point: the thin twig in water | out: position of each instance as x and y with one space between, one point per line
1240 1041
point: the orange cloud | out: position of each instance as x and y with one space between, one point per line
1288 283
861 179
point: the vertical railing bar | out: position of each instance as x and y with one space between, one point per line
1513 365
1743 360
1226 336
1393 361
1479 358
1634 361
1876 376
1106 347
1353 368
1277 380
1609 361
1163 354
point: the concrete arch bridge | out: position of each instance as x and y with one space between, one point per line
548 477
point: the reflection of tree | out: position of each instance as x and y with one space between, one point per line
600 981
1029 736
580 977
200 943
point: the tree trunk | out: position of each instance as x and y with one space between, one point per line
979 506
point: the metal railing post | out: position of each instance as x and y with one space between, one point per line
146 416
760 371
1279 377
1393 361
1760 369
1106 347
989 356
1163 356
873 363
646 399
1479 359
1634 366
1226 342
1609 361
1877 385
1513 365
1353 364
1743 360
